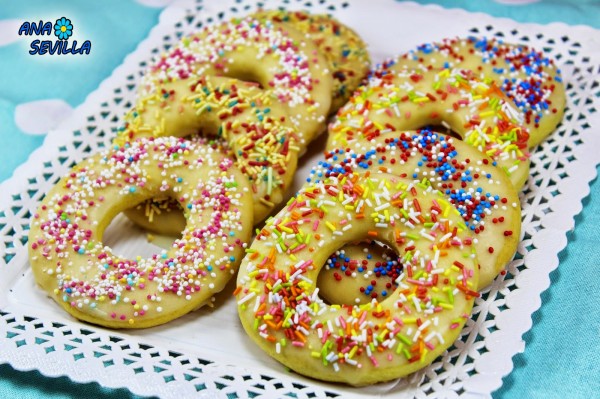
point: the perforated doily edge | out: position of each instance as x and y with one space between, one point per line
584 28
482 383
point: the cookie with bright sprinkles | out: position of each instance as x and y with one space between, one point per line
345 51
359 272
482 193
529 77
399 99
91 282
280 307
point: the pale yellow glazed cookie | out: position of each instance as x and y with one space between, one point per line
289 68
527 76
482 193
282 312
88 280
476 110
345 51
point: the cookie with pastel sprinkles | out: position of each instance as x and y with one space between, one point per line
345 51
288 67
91 282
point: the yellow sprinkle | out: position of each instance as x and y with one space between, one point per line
330 225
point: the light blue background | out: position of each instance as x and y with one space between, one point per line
562 356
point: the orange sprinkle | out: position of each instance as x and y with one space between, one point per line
271 324
468 291
303 324
237 290
262 307
372 233
300 336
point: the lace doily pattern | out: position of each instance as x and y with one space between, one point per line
147 363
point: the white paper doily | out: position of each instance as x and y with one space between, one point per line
207 353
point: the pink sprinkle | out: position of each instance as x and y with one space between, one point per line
315 225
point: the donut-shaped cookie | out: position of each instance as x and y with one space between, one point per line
344 50
358 273
282 312
483 194
92 283
527 76
476 110
289 68
264 146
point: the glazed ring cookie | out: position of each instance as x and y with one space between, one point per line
290 69
264 146
476 110
344 50
527 76
282 312
365 271
92 283
483 195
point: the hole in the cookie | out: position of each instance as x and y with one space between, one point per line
129 239
163 216
247 73
447 130
160 215
358 273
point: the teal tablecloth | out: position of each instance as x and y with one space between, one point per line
559 362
